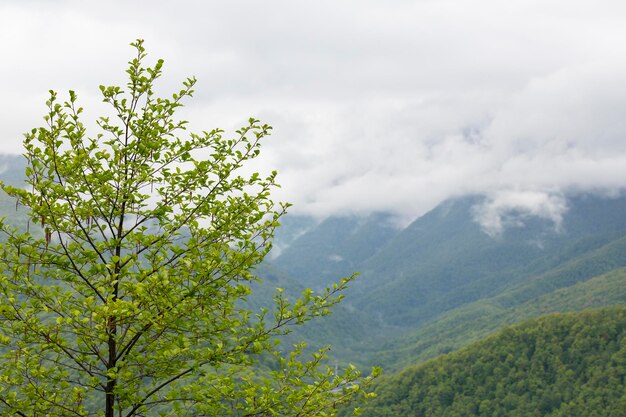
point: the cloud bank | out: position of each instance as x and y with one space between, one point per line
377 106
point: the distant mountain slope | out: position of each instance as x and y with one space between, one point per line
444 260
557 366
477 320
334 248
343 329
12 169
442 282
12 173
291 228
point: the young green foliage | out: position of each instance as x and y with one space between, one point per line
129 300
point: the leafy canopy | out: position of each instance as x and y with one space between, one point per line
130 298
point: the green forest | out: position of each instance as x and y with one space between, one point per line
558 365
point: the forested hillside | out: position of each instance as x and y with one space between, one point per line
558 365
536 297
442 282
444 259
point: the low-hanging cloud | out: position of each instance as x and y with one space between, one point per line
392 106
561 133
510 208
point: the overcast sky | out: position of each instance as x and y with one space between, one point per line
377 105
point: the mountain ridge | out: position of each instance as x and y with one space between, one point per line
443 262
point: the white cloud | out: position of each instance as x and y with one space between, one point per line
510 208
392 105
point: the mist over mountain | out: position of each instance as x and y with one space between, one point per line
445 280
445 259
447 253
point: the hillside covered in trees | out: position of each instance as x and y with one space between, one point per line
442 282
558 365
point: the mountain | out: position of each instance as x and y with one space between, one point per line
443 282
475 321
334 248
343 325
444 259
12 173
558 365
12 169
291 228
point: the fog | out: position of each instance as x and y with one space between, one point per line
377 106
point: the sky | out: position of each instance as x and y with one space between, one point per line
389 105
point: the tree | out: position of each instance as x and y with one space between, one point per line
130 298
